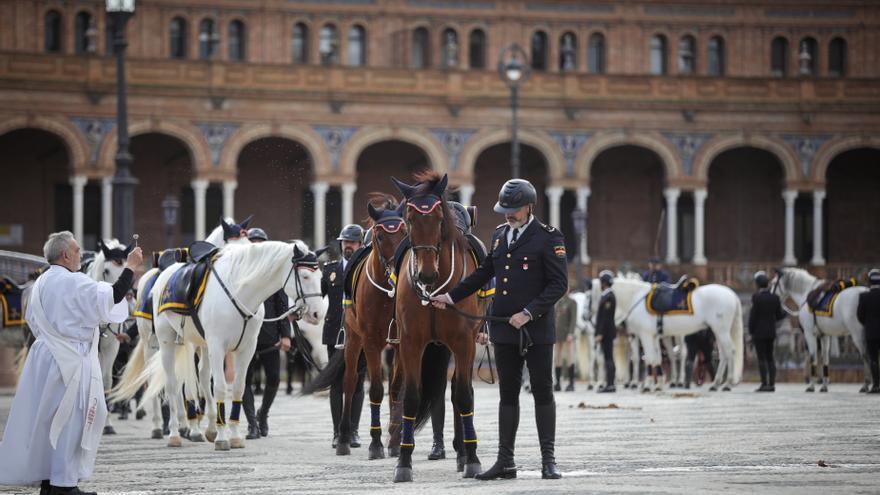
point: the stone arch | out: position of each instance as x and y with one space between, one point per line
192 138
371 135
603 141
252 132
835 147
539 140
709 151
75 142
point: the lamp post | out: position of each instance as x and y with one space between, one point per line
170 206
120 11
513 68
580 222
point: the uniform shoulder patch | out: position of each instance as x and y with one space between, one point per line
331 263
559 251
501 226
548 228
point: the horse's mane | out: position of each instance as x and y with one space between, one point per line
628 287
96 269
427 180
382 202
798 280
248 263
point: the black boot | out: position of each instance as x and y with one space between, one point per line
58 490
438 419
504 467
570 387
45 487
545 418
438 449
558 386
253 432
357 407
166 417
688 373
263 422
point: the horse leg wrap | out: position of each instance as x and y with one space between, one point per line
191 411
812 370
407 438
235 414
221 413
375 423
467 423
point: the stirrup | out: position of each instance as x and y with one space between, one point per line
390 339
340 339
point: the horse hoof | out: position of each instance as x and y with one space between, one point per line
140 414
343 448
459 463
221 445
823 389
864 389
472 469
394 451
377 451
713 388
184 432
156 434
175 442
726 388
109 430
402 474
236 443
211 435
673 385
811 389
196 437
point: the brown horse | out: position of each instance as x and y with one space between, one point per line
438 260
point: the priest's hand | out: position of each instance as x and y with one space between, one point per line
135 259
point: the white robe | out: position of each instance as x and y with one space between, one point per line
58 413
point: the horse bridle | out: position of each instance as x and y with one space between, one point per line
310 262
388 264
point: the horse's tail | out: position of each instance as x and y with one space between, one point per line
736 333
435 364
184 370
130 382
328 375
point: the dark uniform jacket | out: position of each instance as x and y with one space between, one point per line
273 331
605 316
331 286
655 276
766 311
531 275
868 313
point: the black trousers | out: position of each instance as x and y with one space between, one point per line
337 391
509 363
270 361
873 349
766 364
700 344
608 352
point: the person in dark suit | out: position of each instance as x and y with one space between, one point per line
655 274
766 312
868 313
528 261
606 330
351 239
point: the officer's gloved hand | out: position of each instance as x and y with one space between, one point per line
441 301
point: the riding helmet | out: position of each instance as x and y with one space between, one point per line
515 194
606 276
874 277
257 233
761 279
351 232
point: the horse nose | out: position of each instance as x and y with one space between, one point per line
427 278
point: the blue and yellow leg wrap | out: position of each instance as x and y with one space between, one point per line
191 411
407 437
375 407
236 411
467 423
221 413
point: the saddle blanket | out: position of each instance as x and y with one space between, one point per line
669 301
823 299
185 289
144 306
11 299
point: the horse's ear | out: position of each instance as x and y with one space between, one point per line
321 251
296 251
440 186
374 214
104 250
778 271
247 221
128 249
401 208
224 224
406 189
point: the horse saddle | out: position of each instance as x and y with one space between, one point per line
821 299
185 288
352 272
11 300
144 307
665 299
172 256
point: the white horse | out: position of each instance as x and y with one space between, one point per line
313 333
676 350
715 306
586 351
797 284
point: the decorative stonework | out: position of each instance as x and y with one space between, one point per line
571 7
810 13
453 141
805 147
216 134
570 144
687 145
95 131
689 10
451 4
335 138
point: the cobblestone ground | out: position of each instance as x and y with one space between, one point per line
736 442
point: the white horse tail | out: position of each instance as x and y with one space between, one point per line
20 359
130 382
184 370
736 333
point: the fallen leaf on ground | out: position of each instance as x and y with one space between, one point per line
822 463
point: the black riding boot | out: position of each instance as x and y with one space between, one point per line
504 467
545 418
688 373
166 417
762 368
570 387
357 406
558 386
438 418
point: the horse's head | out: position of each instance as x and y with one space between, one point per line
389 229
426 215
110 260
303 286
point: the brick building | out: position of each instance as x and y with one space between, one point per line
755 125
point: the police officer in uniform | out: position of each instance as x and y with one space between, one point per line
606 330
868 313
655 274
351 239
528 260
765 313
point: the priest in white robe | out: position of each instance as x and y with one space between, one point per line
58 413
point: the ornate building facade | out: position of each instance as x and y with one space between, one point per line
722 135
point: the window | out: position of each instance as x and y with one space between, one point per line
807 56
52 31
208 39
357 46
449 51
300 43
837 57
715 56
687 48
237 40
477 49
658 55
539 50
84 34
568 52
328 45
779 57
596 55
178 33
421 49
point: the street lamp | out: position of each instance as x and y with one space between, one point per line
169 207
513 68
120 11
579 217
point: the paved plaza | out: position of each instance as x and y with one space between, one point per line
671 442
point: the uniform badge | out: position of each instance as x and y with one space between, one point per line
333 276
497 242
560 251
525 266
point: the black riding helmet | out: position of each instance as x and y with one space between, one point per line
351 232
257 233
515 194
761 279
